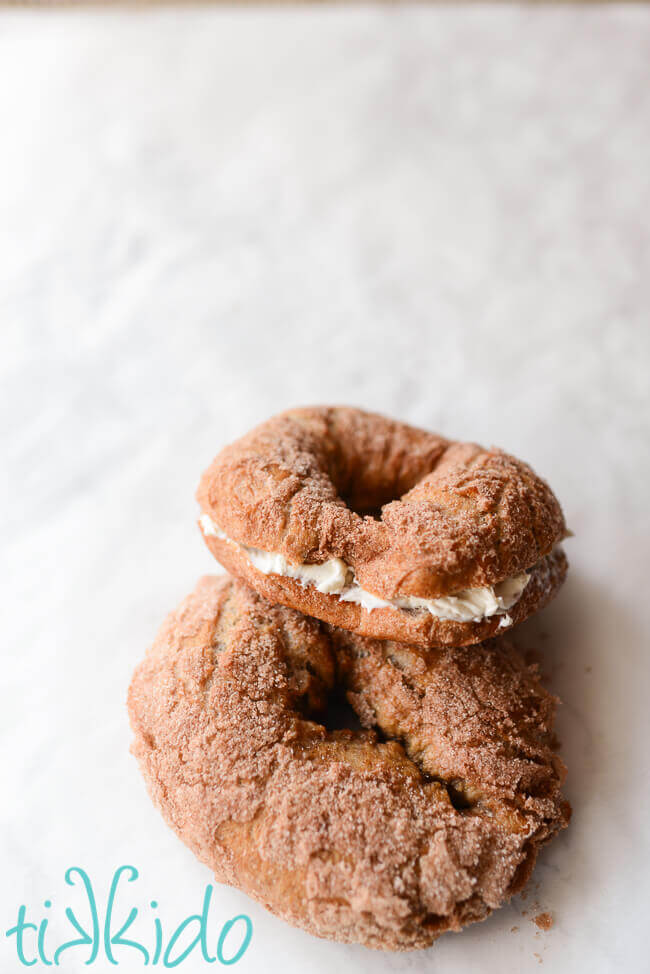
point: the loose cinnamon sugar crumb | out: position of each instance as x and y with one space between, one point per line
544 921
514 929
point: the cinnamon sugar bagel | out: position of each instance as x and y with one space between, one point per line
388 836
384 529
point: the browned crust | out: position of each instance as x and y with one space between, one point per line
405 625
447 516
387 844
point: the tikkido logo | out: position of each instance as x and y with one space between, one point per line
102 936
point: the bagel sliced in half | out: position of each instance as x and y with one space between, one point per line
384 529
424 819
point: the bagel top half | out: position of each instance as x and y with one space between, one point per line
382 528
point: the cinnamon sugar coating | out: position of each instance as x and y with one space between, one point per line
411 513
425 821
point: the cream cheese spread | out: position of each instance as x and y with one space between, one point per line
334 577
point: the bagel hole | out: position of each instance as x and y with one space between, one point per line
373 511
338 714
366 500
373 461
367 503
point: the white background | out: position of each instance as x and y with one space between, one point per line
209 215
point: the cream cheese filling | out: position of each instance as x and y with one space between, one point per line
335 577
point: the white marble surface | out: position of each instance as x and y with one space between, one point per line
207 215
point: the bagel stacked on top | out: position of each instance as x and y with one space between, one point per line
379 562
384 529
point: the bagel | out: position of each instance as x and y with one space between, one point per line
383 529
387 836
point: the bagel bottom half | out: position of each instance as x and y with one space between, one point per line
418 627
425 820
